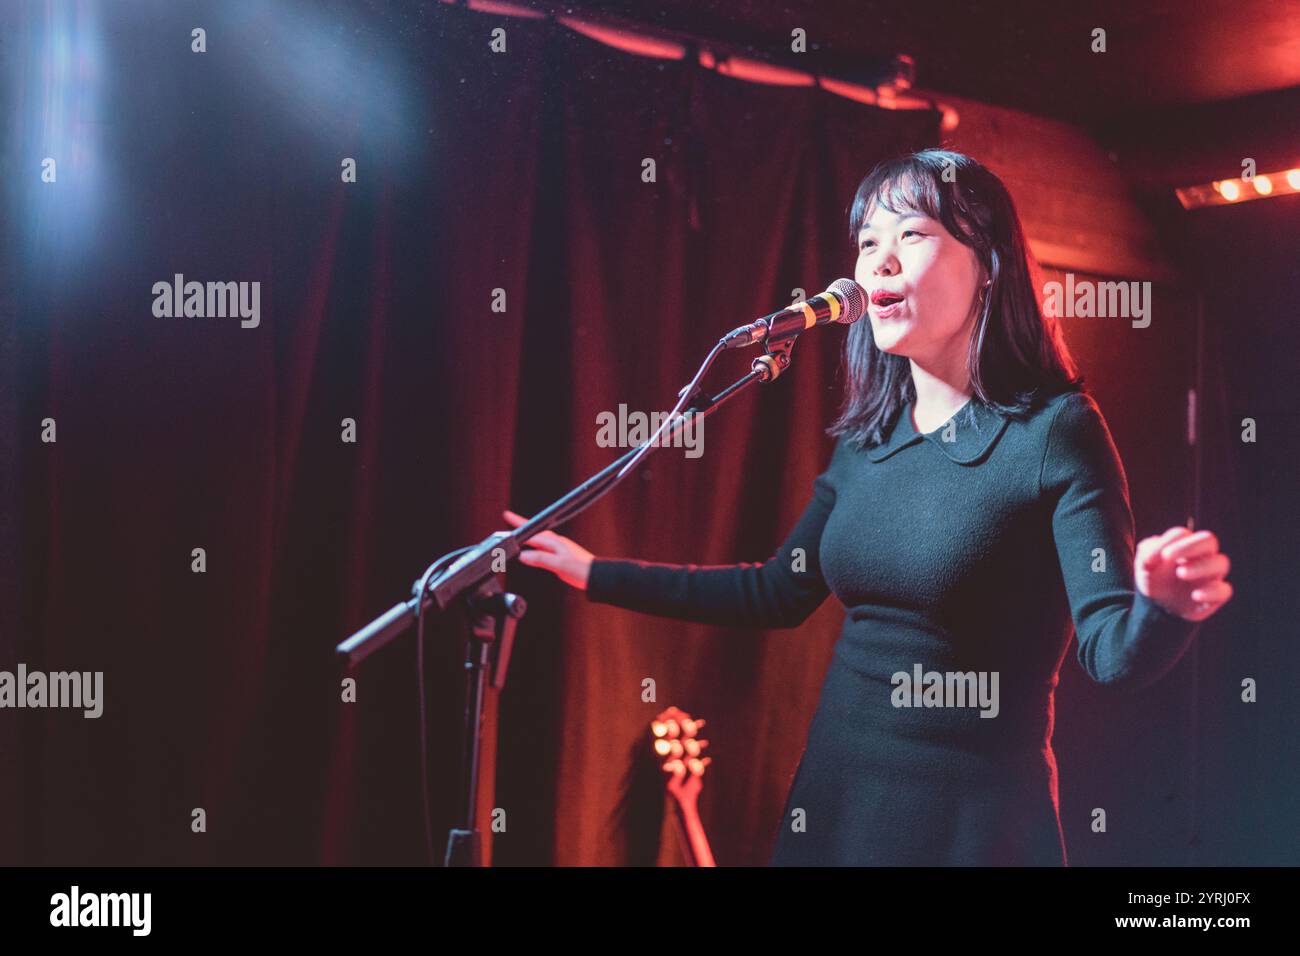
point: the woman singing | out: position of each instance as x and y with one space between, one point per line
973 513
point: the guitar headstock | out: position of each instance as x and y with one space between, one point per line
679 748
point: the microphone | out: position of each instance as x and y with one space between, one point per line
844 302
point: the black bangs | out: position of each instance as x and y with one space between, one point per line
916 184
898 191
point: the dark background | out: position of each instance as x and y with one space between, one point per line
522 171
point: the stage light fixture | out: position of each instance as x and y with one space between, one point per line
1224 192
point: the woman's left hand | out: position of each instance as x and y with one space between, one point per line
1184 572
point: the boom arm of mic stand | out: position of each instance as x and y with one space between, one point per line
490 555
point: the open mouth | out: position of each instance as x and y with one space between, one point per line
885 301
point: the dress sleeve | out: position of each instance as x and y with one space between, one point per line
780 592
1125 638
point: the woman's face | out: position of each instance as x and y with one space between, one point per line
915 257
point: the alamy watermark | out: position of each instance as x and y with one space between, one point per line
626 429
1085 298
102 909
947 689
74 689
211 300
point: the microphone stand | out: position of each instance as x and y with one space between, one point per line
473 582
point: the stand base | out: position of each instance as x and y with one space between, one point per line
463 848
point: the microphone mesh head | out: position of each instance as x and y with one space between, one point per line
853 300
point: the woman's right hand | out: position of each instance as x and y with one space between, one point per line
566 559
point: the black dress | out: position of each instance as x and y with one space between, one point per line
969 551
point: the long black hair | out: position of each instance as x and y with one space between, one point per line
1017 356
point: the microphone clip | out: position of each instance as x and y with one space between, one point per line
775 361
